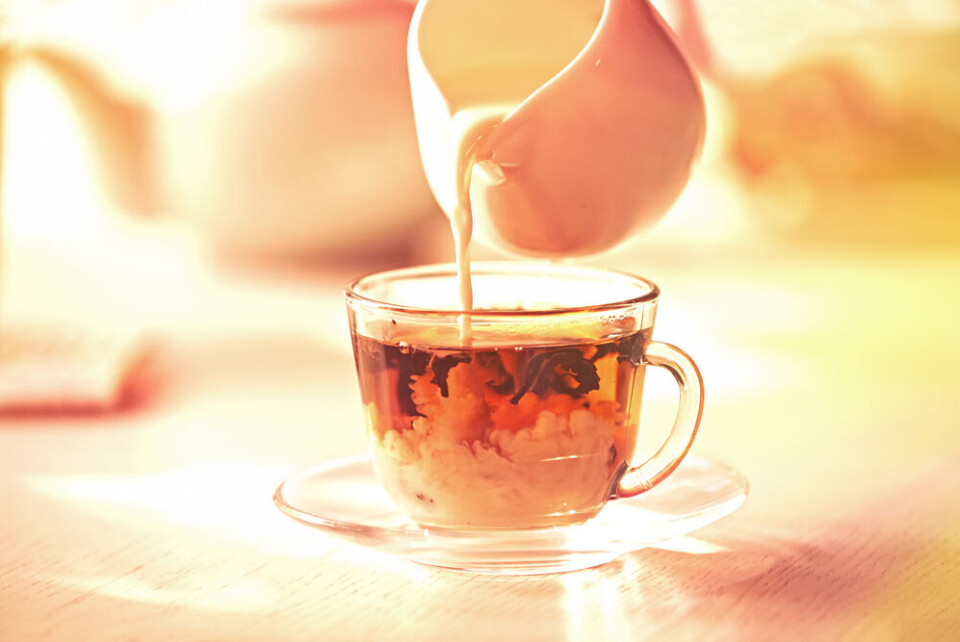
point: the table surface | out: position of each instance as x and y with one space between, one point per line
831 384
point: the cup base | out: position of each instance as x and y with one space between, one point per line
343 498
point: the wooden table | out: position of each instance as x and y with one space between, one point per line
832 383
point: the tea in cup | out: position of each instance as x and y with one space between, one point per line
530 419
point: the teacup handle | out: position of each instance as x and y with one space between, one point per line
638 479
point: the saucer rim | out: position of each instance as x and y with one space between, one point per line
425 545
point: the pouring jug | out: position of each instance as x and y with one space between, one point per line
561 127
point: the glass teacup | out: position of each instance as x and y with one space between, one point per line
531 420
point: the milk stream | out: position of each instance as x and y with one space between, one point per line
461 224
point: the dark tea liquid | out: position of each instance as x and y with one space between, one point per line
501 437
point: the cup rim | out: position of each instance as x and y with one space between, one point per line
504 268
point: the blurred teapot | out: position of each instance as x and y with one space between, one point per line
279 128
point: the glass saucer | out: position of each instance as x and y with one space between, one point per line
343 498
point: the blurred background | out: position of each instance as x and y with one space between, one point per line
281 129
198 179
